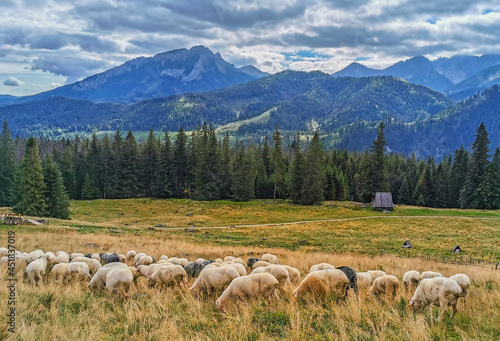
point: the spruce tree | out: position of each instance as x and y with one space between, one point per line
180 164
107 170
117 164
57 197
149 164
31 185
68 172
404 194
488 192
376 178
312 187
7 166
164 173
279 167
243 174
296 172
130 186
476 168
94 164
225 169
329 186
88 188
457 176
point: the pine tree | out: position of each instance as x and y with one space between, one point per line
476 168
421 192
457 176
225 169
243 175
130 186
329 186
55 192
94 165
164 173
180 164
404 195
279 165
7 166
341 187
88 188
31 185
68 172
488 192
376 179
117 164
312 187
206 173
149 164
107 168
296 172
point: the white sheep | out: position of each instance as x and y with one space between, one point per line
439 291
293 273
259 264
78 269
270 258
93 264
239 261
250 286
278 271
96 257
228 258
364 279
99 279
119 279
59 270
199 260
168 275
163 257
429 274
213 279
130 255
20 263
464 281
321 266
218 260
385 285
61 257
376 273
75 254
36 269
411 278
4 251
322 282
242 270
122 258
138 255
146 270
50 255
34 255
144 260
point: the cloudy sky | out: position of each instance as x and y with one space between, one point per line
46 43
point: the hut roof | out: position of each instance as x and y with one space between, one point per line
383 200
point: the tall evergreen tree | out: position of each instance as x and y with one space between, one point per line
7 166
164 173
130 187
107 170
296 172
88 188
206 174
55 192
488 192
376 179
457 176
68 172
329 183
312 187
404 194
225 169
94 163
476 168
31 185
279 165
180 164
149 163
243 175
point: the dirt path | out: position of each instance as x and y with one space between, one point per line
323 221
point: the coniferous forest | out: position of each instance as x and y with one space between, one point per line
38 177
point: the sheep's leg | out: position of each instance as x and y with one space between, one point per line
454 307
442 311
274 294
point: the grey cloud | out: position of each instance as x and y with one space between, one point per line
72 67
12 81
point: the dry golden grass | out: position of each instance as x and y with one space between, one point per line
70 312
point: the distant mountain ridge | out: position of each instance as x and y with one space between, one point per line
443 74
165 74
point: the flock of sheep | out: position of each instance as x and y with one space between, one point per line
230 276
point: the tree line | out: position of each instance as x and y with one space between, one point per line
40 180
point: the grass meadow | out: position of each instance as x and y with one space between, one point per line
57 311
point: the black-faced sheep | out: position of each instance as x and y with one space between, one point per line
251 261
250 286
322 282
107 258
193 269
352 277
439 291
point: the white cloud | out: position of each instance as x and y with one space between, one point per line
12 81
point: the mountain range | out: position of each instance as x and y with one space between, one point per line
189 86
458 77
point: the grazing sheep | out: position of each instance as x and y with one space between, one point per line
193 269
211 279
93 264
60 270
228 258
270 258
19 261
364 279
251 261
293 273
439 291
411 278
429 274
36 269
78 269
322 282
199 260
376 273
250 286
138 255
168 275
61 257
164 257
50 255
278 271
208 261
239 261
107 258
114 264
88 255
96 257
464 281
242 270
130 255
123 259
146 270
351 276
144 260
119 279
259 264
385 285
99 279
218 260
4 251
321 266
34 255
75 254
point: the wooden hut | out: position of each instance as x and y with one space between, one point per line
383 201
